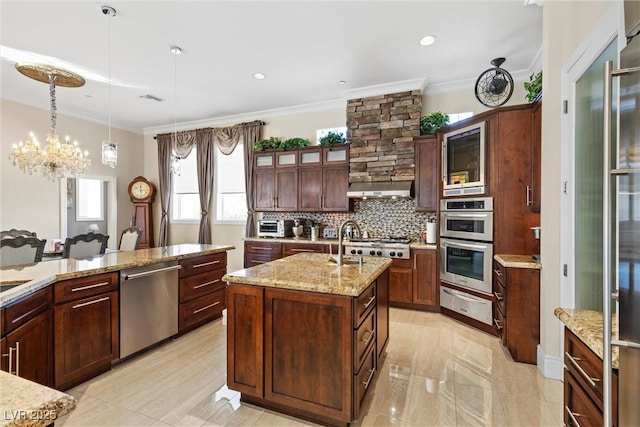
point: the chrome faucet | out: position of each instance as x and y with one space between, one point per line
340 233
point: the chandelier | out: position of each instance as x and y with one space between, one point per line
57 159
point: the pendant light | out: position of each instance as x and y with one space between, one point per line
109 147
175 159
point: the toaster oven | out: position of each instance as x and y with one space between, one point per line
275 228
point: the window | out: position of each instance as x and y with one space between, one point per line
456 117
185 200
322 132
231 202
89 200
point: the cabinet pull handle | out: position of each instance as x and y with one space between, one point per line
574 362
366 383
95 301
204 264
18 358
371 300
206 284
495 322
206 308
302 250
150 272
11 350
320 200
572 416
261 248
498 296
497 272
529 195
371 333
97 285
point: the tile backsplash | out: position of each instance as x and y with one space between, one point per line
379 217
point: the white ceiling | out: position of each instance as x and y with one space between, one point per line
304 47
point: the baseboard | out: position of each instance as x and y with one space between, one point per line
550 366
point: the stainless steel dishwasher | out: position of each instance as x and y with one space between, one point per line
148 306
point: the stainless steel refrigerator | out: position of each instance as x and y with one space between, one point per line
622 225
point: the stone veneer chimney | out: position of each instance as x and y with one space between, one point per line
381 130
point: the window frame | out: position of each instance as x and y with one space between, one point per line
173 200
79 196
216 187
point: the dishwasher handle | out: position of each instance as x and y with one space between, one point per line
150 272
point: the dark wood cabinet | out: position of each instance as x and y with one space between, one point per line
517 310
311 190
583 388
260 252
286 189
427 185
28 344
264 190
318 367
289 249
401 281
425 277
86 338
201 290
413 283
536 158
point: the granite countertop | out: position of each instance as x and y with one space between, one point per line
26 403
587 325
312 272
33 277
517 261
412 245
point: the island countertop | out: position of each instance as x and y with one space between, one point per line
25 403
312 272
33 277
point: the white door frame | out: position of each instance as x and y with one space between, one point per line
112 207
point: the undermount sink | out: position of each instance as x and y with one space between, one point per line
7 286
347 260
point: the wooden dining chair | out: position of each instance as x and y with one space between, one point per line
130 239
85 245
17 233
21 250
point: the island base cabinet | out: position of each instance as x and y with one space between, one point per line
85 338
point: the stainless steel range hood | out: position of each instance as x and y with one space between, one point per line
395 189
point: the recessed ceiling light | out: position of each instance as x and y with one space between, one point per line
176 50
259 76
427 40
342 82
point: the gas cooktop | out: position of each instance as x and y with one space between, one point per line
391 247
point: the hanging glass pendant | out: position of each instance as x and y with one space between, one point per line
109 153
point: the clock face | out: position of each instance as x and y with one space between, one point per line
141 190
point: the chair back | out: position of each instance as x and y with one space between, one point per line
130 239
5 234
85 245
21 250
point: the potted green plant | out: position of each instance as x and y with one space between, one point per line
267 144
533 87
332 138
291 143
430 123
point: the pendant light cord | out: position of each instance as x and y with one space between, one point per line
109 71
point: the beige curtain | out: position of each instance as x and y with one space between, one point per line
184 142
251 133
205 147
164 175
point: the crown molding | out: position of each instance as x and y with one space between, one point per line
385 88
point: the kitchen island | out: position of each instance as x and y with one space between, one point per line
305 335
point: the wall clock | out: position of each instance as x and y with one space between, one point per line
142 194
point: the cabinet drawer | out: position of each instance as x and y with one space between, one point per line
579 409
201 310
500 323
203 263
584 364
84 287
256 259
296 248
499 273
364 336
364 380
25 309
363 303
201 284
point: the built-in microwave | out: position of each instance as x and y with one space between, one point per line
470 218
275 228
463 161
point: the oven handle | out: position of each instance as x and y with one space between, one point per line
465 215
464 245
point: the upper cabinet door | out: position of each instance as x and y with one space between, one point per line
311 157
337 154
263 160
287 159
427 173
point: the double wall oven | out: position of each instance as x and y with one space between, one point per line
466 253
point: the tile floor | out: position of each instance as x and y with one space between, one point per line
437 372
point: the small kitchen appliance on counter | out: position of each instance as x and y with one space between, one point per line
275 228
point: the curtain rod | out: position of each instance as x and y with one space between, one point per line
255 122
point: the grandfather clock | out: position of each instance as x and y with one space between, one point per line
142 194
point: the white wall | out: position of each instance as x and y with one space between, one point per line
463 100
565 25
30 201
